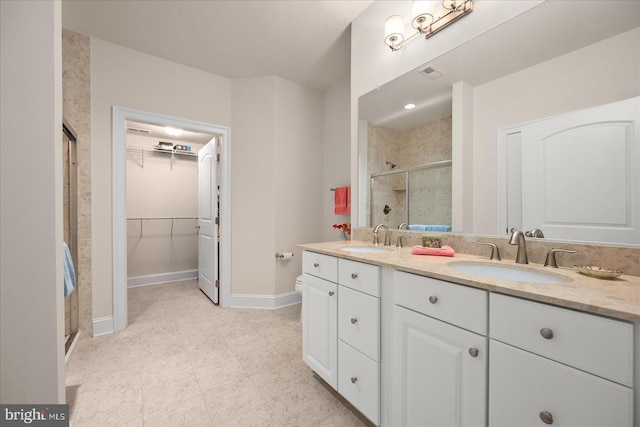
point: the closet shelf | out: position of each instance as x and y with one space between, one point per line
142 149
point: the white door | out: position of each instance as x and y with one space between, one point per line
440 373
207 218
580 176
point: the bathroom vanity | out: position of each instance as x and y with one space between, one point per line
410 340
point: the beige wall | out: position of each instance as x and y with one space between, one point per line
298 176
604 72
128 78
336 154
31 269
276 180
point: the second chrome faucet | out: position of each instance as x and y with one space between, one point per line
387 240
517 238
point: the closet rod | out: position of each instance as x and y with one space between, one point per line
161 219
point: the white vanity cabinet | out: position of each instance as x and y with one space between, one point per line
341 327
359 336
439 368
319 324
551 365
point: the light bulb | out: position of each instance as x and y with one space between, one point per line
393 27
422 14
173 131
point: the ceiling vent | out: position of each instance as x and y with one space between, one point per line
431 72
136 130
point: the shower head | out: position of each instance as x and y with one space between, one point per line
393 165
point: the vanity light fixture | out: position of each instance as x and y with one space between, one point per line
173 131
428 17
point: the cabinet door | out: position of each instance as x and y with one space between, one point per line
320 327
529 390
440 373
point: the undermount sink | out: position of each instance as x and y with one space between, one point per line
509 272
365 249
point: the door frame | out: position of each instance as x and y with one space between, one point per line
120 115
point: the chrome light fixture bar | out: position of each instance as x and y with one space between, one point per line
428 17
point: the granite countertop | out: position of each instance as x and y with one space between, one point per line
618 298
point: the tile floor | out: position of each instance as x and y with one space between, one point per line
184 361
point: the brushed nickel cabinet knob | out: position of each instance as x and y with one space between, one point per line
546 417
546 333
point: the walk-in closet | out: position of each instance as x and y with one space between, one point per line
162 203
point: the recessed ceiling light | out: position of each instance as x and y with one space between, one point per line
173 131
410 106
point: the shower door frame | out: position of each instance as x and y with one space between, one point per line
73 228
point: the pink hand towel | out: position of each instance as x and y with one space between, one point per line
443 251
340 200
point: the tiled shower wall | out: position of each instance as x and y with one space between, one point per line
76 94
427 143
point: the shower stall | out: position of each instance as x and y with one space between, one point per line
70 228
415 195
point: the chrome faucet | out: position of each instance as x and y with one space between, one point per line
517 238
536 232
403 225
387 240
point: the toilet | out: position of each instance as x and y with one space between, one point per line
299 290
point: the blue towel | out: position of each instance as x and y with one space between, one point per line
69 272
422 227
437 228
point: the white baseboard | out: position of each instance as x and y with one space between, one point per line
154 279
268 302
102 326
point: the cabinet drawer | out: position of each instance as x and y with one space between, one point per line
359 321
522 386
359 276
456 304
595 344
319 265
359 381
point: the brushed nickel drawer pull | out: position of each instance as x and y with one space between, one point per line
546 417
354 276
331 293
433 299
316 265
473 352
354 379
354 320
546 333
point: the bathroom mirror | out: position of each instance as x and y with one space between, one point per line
507 50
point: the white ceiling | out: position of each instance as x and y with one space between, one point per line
305 41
